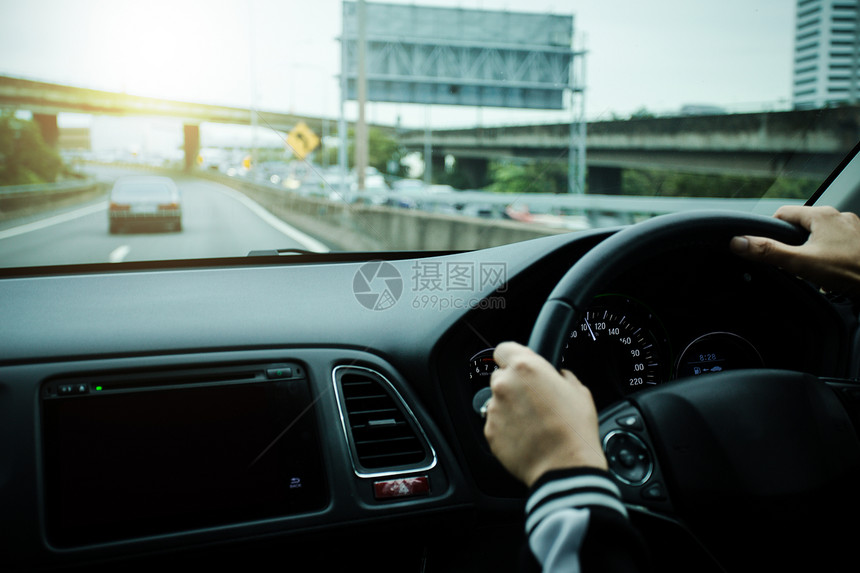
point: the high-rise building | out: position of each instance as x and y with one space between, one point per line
826 53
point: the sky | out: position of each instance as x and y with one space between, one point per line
284 55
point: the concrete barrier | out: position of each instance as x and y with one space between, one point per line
358 227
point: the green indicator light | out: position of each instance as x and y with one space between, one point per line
98 388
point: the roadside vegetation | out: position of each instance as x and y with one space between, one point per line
669 184
551 177
383 151
24 156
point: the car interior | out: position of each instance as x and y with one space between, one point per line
271 347
263 412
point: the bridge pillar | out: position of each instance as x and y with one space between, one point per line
47 123
604 180
474 170
437 167
192 145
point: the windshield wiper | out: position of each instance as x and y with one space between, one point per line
279 252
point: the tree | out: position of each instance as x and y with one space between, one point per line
458 178
535 177
24 156
673 184
382 149
642 113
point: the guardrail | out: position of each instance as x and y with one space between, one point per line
569 211
16 200
627 207
464 219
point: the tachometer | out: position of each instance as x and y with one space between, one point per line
481 367
614 349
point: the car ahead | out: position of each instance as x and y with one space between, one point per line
144 201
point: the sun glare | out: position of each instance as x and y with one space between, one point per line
172 50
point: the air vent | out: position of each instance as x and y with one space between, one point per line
383 434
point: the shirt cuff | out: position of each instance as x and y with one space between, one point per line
571 488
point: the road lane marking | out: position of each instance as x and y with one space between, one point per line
306 241
118 254
55 220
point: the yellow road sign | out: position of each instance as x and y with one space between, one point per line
302 140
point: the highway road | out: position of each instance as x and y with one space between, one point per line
217 222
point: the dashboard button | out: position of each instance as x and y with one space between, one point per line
405 487
279 373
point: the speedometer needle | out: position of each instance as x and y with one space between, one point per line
594 338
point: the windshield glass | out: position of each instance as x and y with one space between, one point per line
443 124
128 192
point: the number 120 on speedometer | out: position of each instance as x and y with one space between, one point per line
612 349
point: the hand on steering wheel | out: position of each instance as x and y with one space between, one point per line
750 451
830 257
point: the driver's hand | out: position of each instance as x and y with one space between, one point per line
539 419
829 258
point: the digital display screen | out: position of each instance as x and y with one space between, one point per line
716 352
126 464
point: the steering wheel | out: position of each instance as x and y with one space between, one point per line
757 465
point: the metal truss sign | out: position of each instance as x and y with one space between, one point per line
453 56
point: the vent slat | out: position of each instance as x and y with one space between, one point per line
382 457
375 411
378 426
401 439
381 434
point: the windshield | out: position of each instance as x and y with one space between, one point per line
439 125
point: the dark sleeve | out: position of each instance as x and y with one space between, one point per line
575 521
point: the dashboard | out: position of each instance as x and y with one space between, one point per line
693 313
688 315
262 408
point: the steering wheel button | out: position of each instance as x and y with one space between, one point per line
852 394
654 492
630 422
628 457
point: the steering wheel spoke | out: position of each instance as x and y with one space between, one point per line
630 454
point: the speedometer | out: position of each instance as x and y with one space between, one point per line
615 349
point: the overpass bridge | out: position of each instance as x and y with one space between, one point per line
45 100
807 143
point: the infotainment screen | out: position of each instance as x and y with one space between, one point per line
124 461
